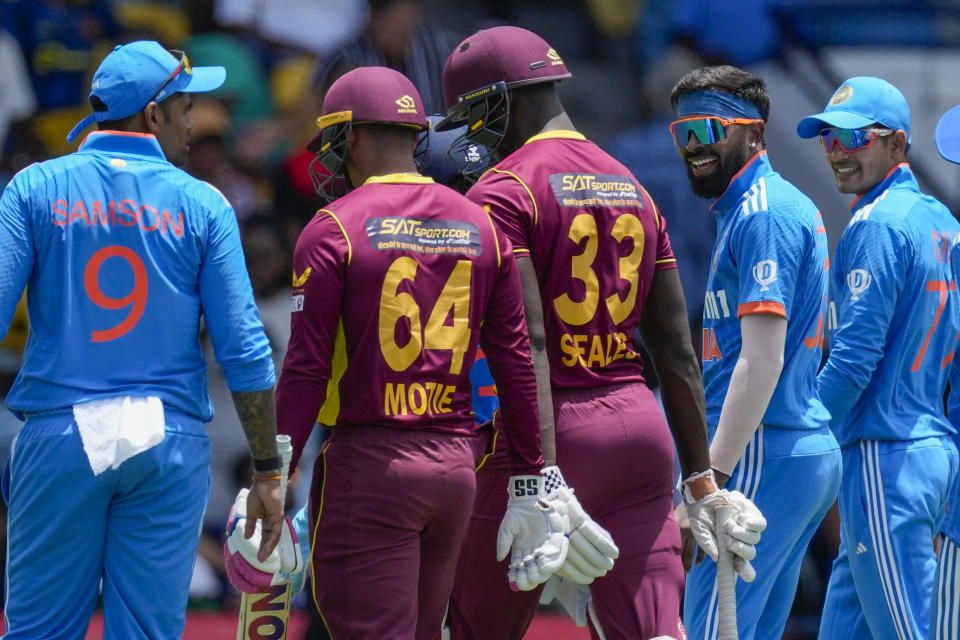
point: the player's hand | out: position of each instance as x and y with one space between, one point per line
592 550
264 507
691 553
534 533
743 533
240 553
573 597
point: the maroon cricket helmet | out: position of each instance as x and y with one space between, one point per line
370 94
513 56
365 95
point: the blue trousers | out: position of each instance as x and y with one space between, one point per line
892 502
135 528
793 477
945 609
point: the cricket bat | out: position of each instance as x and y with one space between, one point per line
726 580
264 615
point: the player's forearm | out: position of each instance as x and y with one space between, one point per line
838 392
533 313
752 383
257 412
541 368
681 391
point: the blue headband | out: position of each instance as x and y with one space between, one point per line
715 103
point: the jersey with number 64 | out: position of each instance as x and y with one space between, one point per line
120 252
595 238
394 286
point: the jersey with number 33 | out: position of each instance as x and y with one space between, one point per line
898 315
120 252
770 257
595 239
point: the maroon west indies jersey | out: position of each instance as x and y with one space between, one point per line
394 284
595 238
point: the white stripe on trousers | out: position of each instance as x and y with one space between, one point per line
751 463
946 624
880 537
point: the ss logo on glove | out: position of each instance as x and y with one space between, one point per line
525 487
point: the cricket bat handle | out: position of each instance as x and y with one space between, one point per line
267 613
726 579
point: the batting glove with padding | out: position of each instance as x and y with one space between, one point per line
533 532
592 550
573 597
743 533
244 570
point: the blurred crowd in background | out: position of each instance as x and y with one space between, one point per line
248 137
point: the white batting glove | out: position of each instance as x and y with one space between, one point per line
244 569
743 533
592 550
573 597
534 532
701 515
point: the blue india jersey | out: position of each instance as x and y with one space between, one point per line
769 257
951 523
897 315
484 392
121 252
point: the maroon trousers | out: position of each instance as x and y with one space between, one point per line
388 510
614 448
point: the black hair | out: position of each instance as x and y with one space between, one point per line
728 79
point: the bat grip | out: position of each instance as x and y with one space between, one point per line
726 579
285 449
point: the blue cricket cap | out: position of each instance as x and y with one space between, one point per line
134 74
947 135
860 102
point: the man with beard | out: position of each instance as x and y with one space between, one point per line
762 337
897 321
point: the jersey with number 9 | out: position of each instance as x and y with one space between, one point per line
595 238
395 284
120 252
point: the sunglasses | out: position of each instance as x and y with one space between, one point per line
851 140
183 65
708 129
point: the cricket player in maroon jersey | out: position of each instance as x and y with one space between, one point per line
596 265
395 283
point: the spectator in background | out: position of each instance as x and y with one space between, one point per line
395 36
649 152
211 161
17 104
62 42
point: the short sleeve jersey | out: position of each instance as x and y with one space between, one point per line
121 251
595 239
770 257
395 285
893 284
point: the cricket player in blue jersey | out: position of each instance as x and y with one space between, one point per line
897 320
945 608
121 252
762 336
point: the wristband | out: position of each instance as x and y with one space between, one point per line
265 465
687 494
267 476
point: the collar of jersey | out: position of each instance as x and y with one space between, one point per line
900 174
409 178
558 133
756 166
143 144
